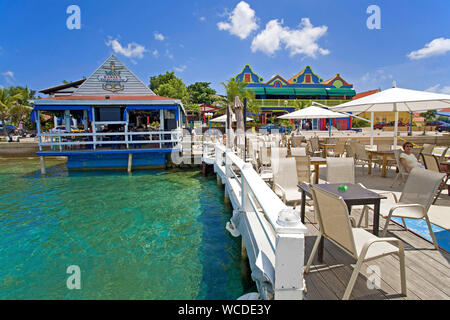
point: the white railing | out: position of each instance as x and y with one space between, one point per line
275 247
60 139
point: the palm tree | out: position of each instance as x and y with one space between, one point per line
235 88
22 107
428 116
7 104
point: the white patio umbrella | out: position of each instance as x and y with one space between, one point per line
395 100
223 118
313 112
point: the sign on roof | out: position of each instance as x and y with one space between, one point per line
113 77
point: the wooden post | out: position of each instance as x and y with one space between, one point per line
204 169
42 161
244 255
130 161
226 196
94 129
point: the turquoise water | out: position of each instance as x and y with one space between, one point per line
149 235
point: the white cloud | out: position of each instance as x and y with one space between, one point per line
180 68
158 36
438 89
132 50
241 22
268 40
436 47
202 19
8 74
155 53
299 41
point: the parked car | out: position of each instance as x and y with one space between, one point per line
435 123
443 127
380 125
399 123
9 128
274 127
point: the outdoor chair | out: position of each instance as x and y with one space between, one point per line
431 162
349 152
428 148
315 144
264 163
338 150
303 166
442 156
340 170
298 152
361 155
417 152
278 152
415 200
402 172
335 225
296 141
285 180
313 150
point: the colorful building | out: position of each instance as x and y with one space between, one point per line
278 96
121 122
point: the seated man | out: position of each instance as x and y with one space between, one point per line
408 159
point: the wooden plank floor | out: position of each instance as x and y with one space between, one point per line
427 270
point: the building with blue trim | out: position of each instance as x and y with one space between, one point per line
278 96
119 121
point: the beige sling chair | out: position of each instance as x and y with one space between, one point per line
362 245
285 180
415 200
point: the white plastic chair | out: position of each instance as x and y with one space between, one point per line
362 245
415 200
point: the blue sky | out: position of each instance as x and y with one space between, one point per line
212 40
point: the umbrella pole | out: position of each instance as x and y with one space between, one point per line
395 126
371 129
329 127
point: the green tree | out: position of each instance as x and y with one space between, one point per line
235 88
7 103
428 116
157 81
174 88
22 109
201 93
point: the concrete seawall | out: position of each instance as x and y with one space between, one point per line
18 149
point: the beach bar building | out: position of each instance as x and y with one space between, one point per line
109 120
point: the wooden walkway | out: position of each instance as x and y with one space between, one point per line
427 270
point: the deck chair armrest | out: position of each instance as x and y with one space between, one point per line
387 239
383 193
409 205
280 188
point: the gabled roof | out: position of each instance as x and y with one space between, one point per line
275 78
337 77
297 79
66 88
113 78
254 78
365 94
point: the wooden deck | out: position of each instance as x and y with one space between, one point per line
427 270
